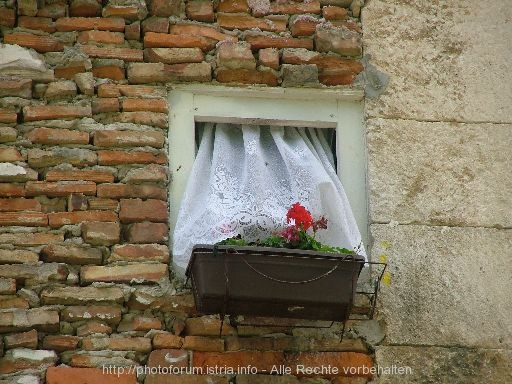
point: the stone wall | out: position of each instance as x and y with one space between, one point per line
84 260
439 142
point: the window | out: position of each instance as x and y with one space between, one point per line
316 108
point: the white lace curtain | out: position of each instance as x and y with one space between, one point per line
245 178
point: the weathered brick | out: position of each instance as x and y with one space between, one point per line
205 344
132 31
269 57
30 239
233 6
78 175
13 205
19 320
70 24
139 323
129 139
138 253
41 44
61 343
136 210
200 30
85 83
21 340
161 40
58 219
19 359
85 8
161 357
186 379
183 303
7 134
93 327
118 191
100 37
70 71
139 73
12 190
173 55
158 120
338 360
10 155
147 233
98 360
247 76
166 340
13 301
103 204
26 219
137 344
54 10
303 25
67 375
152 173
75 156
293 7
81 295
262 361
103 105
43 135
242 22
132 273
18 256
16 173
234 343
338 40
7 17
336 79
114 72
7 286
59 188
164 8
71 254
109 314
150 105
235 56
17 87
53 112
45 24
155 24
27 7
126 54
122 157
200 11
8 116
77 202
34 274
334 13
207 326
260 41
101 233
127 12
142 91
327 64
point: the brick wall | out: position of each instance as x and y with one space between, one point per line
84 273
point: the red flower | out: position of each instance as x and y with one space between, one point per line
300 216
290 234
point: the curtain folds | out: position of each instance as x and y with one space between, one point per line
246 177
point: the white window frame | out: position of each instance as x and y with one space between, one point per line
318 108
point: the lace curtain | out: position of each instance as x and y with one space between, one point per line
245 178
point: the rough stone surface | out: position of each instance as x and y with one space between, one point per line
446 365
438 277
299 75
439 173
22 62
82 295
457 73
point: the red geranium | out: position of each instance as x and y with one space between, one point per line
300 215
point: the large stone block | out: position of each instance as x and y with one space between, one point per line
445 365
445 63
440 173
447 285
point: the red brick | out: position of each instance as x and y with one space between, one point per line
18 256
165 8
158 72
110 314
101 233
13 86
137 344
12 190
69 72
161 40
127 12
259 42
13 205
39 43
142 91
334 13
7 17
161 357
113 72
141 117
59 219
70 24
206 344
58 375
103 204
155 24
129 139
132 31
293 7
147 233
269 57
207 326
117 191
101 37
11 302
126 54
303 26
10 155
262 361
200 10
8 116
173 55
54 112
54 11
243 22
61 343
247 76
150 174
233 6
104 105
85 8
81 296
121 157
150 105
21 340
336 79
89 328
59 188
30 239
27 219
132 273
78 175
200 30
139 323
71 254
338 360
167 341
235 56
338 40
45 24
138 253
57 136
136 210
